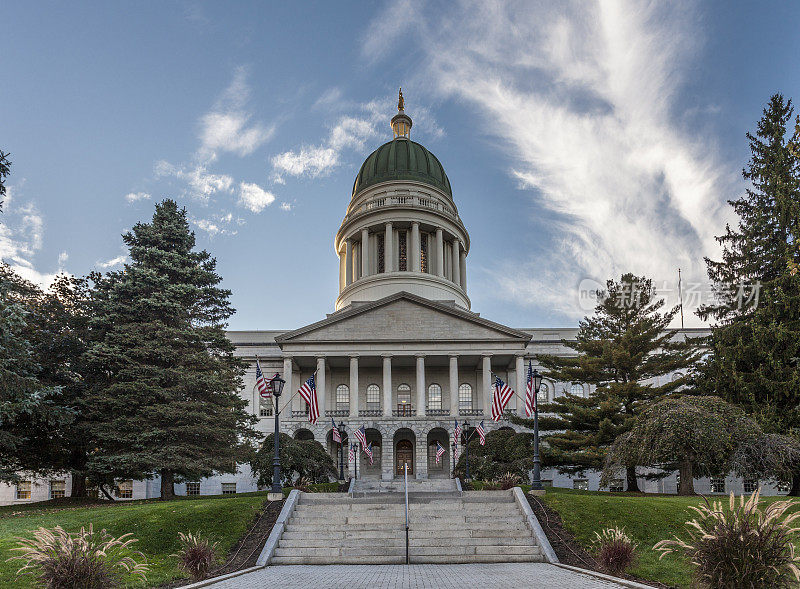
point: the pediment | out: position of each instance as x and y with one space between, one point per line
403 317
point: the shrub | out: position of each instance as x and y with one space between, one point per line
299 458
85 559
197 555
741 546
508 481
615 550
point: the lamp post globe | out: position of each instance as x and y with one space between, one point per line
276 384
536 483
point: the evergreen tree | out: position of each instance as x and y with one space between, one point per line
755 343
167 401
5 170
621 348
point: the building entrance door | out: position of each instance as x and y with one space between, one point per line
404 455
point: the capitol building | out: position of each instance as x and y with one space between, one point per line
402 353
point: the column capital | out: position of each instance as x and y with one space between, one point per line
354 355
484 356
413 223
386 356
420 355
454 356
288 357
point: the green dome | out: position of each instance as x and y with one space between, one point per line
402 159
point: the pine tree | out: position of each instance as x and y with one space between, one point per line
625 344
168 400
755 344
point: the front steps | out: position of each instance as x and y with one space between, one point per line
333 528
366 486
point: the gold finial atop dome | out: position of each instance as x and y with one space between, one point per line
401 122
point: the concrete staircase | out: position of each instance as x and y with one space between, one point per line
364 487
334 528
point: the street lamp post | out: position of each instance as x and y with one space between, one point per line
453 457
277 388
536 484
341 451
466 450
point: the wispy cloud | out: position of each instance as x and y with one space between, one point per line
135 196
583 97
113 262
254 198
200 182
21 239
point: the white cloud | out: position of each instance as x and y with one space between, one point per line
285 206
21 238
134 196
62 258
582 97
202 183
253 197
118 261
312 161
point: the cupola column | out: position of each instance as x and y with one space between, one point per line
439 252
463 269
364 253
388 251
348 263
415 253
457 262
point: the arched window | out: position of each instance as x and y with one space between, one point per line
373 397
404 395
423 252
465 397
264 406
576 389
342 397
543 393
434 396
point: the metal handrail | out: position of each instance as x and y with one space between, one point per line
405 484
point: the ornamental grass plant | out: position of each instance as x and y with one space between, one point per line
86 559
197 555
616 552
741 545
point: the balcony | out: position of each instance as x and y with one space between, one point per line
370 413
337 413
437 412
470 412
404 410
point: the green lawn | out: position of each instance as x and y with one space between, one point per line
647 519
154 523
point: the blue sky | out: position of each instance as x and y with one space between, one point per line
581 139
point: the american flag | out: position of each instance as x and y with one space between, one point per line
455 454
502 395
439 452
351 457
457 433
481 433
530 394
337 437
309 392
361 436
261 382
368 451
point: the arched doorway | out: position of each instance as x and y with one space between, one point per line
335 452
438 437
365 468
404 442
303 434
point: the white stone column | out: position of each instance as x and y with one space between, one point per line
520 388
387 387
457 262
348 271
388 249
439 252
288 388
342 279
354 386
463 269
321 390
421 384
454 386
415 253
486 385
364 253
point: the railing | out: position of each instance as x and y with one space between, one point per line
404 411
299 413
370 413
337 413
405 484
433 412
377 202
467 412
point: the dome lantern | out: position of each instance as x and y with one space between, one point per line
401 122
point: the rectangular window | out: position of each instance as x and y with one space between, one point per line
373 397
580 484
784 486
616 486
342 397
23 490
58 489
434 397
192 488
465 397
402 251
750 485
229 488
125 489
381 261
423 252
264 407
717 485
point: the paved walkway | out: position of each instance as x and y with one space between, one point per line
434 576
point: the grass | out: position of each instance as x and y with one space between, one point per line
646 518
154 523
